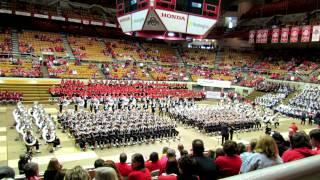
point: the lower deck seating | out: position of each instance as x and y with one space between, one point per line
85 71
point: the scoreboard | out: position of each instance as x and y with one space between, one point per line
167 19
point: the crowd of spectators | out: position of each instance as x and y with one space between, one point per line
20 68
10 97
233 158
105 88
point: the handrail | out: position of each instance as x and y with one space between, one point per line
307 168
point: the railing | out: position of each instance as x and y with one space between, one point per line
305 169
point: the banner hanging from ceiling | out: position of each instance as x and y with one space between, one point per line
315 34
294 36
252 35
284 35
305 37
264 37
275 35
259 36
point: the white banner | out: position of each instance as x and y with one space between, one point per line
138 19
86 22
214 83
41 16
125 23
213 95
110 25
74 20
199 25
97 23
6 11
22 13
59 18
315 34
175 22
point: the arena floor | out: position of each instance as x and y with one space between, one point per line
70 155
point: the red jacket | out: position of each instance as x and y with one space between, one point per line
228 165
124 169
297 153
153 166
140 175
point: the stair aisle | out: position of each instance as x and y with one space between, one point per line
67 46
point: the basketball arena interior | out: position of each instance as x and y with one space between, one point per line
159 89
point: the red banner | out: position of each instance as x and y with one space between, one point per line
252 34
284 35
294 34
275 35
259 36
264 37
305 37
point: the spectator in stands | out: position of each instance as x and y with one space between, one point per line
54 170
282 144
315 139
241 148
171 155
109 163
250 150
300 148
6 172
139 171
153 163
171 170
219 152
205 167
164 158
186 167
106 173
180 149
77 173
229 164
31 171
99 163
123 167
211 154
266 155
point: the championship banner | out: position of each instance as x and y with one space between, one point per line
252 34
264 37
306 34
315 34
284 35
275 35
294 34
259 36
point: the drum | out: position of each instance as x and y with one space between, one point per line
48 138
34 141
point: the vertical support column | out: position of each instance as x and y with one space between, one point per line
120 8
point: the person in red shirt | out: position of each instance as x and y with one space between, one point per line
154 162
123 167
294 127
300 148
230 163
139 172
315 139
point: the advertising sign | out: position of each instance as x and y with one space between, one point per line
138 19
125 23
173 21
199 25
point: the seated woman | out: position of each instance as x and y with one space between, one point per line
139 170
266 155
